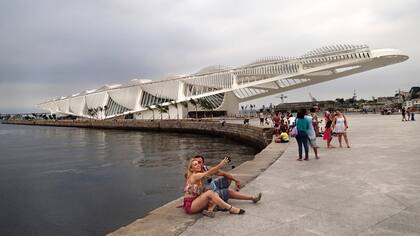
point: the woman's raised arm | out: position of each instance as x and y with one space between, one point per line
211 171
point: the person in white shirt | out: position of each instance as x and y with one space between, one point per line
261 116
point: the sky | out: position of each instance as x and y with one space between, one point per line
52 48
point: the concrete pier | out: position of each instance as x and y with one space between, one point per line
373 188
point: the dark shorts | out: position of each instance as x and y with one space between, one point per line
220 185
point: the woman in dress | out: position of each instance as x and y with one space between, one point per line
340 127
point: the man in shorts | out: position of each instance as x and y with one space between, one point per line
221 184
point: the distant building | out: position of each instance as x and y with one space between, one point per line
412 103
389 101
414 93
296 106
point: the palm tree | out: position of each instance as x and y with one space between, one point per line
162 109
105 109
153 111
194 103
185 104
205 104
173 103
90 112
100 109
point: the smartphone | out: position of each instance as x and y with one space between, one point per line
228 157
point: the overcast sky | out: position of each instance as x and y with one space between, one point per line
50 48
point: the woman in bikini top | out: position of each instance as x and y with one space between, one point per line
193 190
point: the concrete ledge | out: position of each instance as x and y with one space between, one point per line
168 219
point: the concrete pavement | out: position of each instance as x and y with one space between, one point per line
373 188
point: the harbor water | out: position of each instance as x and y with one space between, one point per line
74 181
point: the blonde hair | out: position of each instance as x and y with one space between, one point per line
189 166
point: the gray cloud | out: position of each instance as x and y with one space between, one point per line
54 48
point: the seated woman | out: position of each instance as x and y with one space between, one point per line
221 185
282 138
195 199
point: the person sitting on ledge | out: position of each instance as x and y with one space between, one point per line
221 184
283 137
196 199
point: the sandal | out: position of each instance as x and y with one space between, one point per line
257 198
241 211
207 213
220 209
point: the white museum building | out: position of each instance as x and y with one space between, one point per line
220 89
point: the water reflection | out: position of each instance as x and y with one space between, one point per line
70 181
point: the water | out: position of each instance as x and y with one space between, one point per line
73 181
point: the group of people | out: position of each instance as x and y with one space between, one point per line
306 128
335 123
409 112
207 195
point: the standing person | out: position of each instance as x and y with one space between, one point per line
267 118
312 134
403 114
261 116
413 111
340 127
276 120
291 121
408 114
328 134
302 126
315 122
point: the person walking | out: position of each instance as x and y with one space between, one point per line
302 126
403 114
340 127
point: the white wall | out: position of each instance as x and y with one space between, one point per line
230 104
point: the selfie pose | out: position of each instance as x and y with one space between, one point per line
196 199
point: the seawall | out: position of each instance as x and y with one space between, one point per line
255 136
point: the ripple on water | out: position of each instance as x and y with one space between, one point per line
98 178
